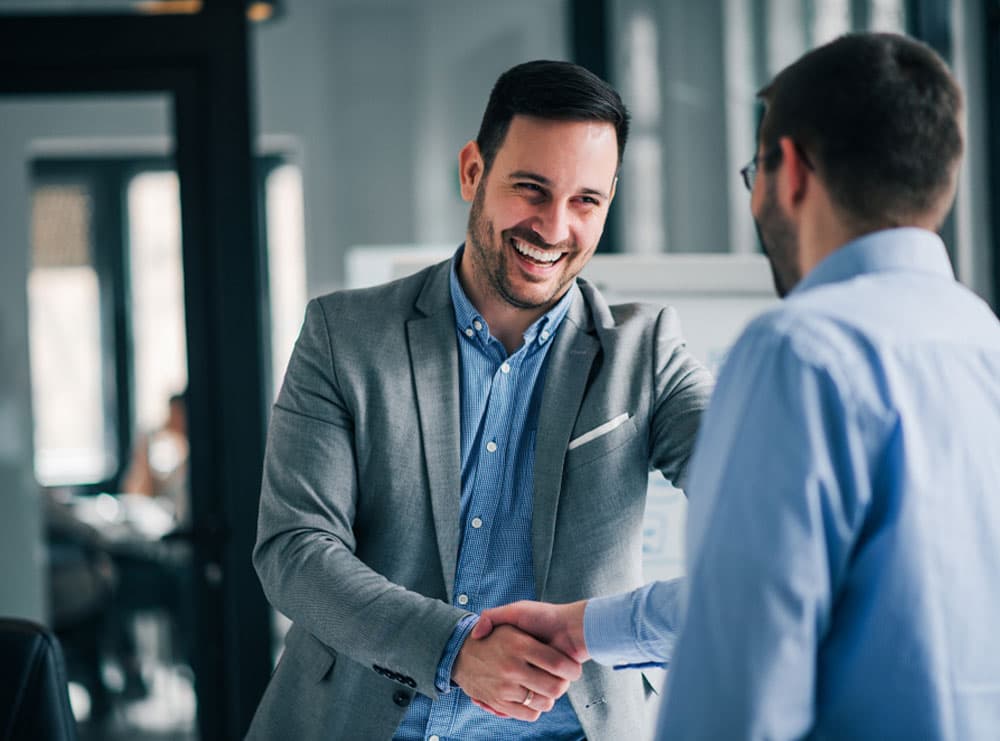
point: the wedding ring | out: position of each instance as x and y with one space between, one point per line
528 698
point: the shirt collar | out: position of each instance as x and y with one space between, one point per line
467 317
906 248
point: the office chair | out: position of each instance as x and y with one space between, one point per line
34 696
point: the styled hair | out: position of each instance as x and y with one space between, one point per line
879 116
556 91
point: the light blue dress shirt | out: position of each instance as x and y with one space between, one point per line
500 398
843 538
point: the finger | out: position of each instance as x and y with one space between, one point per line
488 708
554 662
545 690
504 615
482 628
518 710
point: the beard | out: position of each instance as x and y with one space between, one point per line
491 259
779 242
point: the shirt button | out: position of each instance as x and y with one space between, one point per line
463 599
434 738
469 332
477 324
505 368
477 523
545 334
491 446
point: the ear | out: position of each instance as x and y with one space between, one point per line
470 170
794 177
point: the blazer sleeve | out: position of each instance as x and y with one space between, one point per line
682 387
305 551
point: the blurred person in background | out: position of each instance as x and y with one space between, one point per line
159 465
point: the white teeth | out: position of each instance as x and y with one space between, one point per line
530 251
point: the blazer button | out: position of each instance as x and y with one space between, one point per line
401 698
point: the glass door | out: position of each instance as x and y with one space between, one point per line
107 370
132 371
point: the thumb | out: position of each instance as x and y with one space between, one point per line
482 628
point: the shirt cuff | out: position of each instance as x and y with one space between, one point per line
605 628
633 630
442 680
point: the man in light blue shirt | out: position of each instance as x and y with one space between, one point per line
843 538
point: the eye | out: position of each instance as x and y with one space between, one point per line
532 193
589 201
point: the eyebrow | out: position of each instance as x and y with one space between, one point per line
528 175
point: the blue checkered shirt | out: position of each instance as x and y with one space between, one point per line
500 398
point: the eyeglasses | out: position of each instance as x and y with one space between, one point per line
749 171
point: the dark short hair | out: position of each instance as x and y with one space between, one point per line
557 91
879 116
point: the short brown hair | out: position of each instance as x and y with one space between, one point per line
879 116
556 91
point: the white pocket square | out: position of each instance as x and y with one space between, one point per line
602 429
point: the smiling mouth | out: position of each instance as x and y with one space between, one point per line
535 255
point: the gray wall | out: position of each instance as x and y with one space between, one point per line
380 95
373 98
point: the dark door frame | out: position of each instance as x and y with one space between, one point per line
201 62
930 21
590 47
991 16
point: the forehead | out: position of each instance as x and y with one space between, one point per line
570 153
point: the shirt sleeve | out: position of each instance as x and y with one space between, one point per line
442 680
634 630
777 492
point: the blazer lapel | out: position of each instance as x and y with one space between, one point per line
570 360
434 360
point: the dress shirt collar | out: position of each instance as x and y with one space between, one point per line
906 248
468 318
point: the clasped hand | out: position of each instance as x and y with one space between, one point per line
521 658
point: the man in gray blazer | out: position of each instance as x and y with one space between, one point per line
471 435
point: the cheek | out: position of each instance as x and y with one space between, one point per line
506 212
755 199
588 233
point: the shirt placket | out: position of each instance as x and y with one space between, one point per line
488 491
473 557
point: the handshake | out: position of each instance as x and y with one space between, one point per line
520 658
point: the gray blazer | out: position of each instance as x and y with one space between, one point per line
359 514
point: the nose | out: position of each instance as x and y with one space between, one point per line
552 223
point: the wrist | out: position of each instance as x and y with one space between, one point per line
575 630
448 666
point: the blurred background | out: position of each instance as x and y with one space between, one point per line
178 178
